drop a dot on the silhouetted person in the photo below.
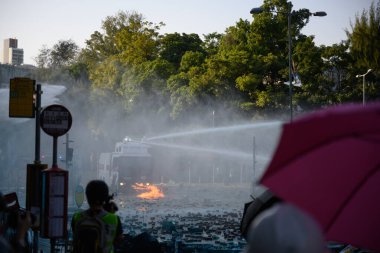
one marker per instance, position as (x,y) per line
(94,229)
(262,202)
(14,226)
(111,207)
(284,228)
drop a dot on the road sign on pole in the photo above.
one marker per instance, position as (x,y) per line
(54,203)
(55,120)
(21,98)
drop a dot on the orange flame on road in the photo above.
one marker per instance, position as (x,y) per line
(150,191)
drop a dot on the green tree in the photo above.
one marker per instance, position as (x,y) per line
(315,89)
(78,71)
(268,44)
(138,40)
(211,43)
(43,62)
(43,59)
(338,67)
(107,74)
(121,35)
(63,53)
(191,59)
(144,85)
(364,39)
(54,64)
(118,56)
(181,98)
(174,45)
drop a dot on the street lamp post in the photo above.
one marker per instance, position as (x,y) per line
(258,10)
(363,75)
(290,63)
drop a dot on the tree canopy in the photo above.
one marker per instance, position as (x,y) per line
(243,70)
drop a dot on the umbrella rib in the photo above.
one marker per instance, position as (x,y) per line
(352,193)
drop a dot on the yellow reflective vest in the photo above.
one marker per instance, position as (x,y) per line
(110,224)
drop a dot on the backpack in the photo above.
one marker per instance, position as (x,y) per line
(90,234)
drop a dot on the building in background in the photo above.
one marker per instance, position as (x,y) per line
(11,53)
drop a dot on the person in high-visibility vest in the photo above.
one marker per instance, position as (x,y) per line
(94,229)
(111,207)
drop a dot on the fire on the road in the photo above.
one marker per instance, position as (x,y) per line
(148,191)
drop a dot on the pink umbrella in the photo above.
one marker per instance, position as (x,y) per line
(328,164)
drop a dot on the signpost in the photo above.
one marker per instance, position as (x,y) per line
(21,98)
(25,102)
(55,120)
(47,189)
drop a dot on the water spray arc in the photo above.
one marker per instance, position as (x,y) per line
(237,154)
(218,129)
(201,143)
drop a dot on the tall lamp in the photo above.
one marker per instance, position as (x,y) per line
(289,13)
(363,75)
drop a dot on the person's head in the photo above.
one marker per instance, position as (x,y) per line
(284,228)
(263,201)
(96,192)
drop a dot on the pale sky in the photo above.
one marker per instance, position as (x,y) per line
(44,22)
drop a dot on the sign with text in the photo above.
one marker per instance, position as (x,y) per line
(21,101)
(54,203)
(55,120)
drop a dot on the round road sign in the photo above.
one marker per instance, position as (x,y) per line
(55,120)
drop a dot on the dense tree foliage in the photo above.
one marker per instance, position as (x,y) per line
(364,48)
(54,64)
(63,53)
(173,46)
(364,39)
(243,70)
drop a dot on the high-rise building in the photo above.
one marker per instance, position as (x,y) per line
(16,56)
(12,54)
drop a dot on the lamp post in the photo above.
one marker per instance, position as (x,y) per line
(258,10)
(363,75)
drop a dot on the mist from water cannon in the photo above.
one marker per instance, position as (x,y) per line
(235,142)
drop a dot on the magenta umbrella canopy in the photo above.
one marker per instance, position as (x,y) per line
(328,164)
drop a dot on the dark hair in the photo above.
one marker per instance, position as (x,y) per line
(264,201)
(96,192)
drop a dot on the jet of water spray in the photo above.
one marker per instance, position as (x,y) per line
(237,154)
(218,129)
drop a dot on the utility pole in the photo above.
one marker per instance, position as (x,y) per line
(254,159)
(37,154)
(68,151)
(363,76)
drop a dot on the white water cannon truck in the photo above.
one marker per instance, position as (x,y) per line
(130,163)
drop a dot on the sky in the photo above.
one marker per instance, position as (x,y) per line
(36,23)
